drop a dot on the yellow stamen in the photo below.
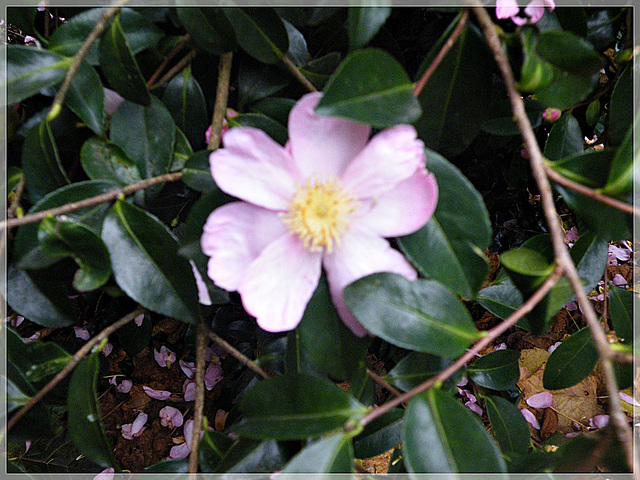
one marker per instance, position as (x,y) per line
(319,214)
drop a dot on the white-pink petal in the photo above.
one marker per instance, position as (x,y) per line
(138,320)
(474,407)
(540,400)
(81,333)
(506,8)
(189,368)
(625,397)
(212,375)
(106,474)
(179,451)
(170,417)
(254,168)
(107,349)
(598,421)
(619,281)
(279,283)
(531,418)
(203,291)
(156,394)
(135,429)
(189,391)
(323,146)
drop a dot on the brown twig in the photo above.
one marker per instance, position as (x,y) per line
(464,16)
(198,407)
(562,257)
(15,203)
(89,202)
(383,383)
(470,354)
(68,368)
(236,353)
(222,95)
(298,74)
(177,68)
(185,40)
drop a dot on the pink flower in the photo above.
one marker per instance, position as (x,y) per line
(156,394)
(170,417)
(164,357)
(203,292)
(106,474)
(533,11)
(326,199)
(540,400)
(81,333)
(135,429)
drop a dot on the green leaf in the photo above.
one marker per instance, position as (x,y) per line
(185,101)
(500,117)
(330,344)
(379,436)
(67,39)
(620,108)
(364,23)
(449,247)
(455,100)
(209,28)
(566,89)
(39,296)
(135,129)
(134,338)
(508,425)
(84,420)
(252,456)
(333,454)
(319,70)
(442,435)
(569,53)
(257,81)
(260,32)
(16,398)
(29,70)
(37,360)
(371,87)
(276,108)
(422,315)
(623,168)
(621,305)
(571,362)
(119,65)
(41,163)
(417,368)
(496,370)
(213,448)
(565,138)
(61,238)
(103,160)
(501,300)
(146,264)
(86,98)
(295,407)
(169,466)
(589,168)
(182,151)
(272,128)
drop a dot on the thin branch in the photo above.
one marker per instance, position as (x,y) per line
(222,95)
(612,202)
(185,40)
(15,203)
(89,202)
(383,383)
(562,257)
(236,353)
(68,368)
(177,68)
(56,105)
(442,53)
(198,408)
(470,354)
(298,74)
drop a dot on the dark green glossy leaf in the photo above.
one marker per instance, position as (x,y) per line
(565,138)
(169,466)
(422,315)
(332,454)
(455,100)
(37,360)
(621,305)
(330,344)
(146,264)
(500,117)
(257,81)
(119,65)
(67,39)
(213,448)
(623,168)
(16,398)
(103,160)
(86,98)
(252,456)
(298,52)
(621,108)
(364,23)
(589,168)
(295,407)
(509,427)
(501,300)
(449,247)
(84,420)
(29,70)
(573,20)
(134,338)
(379,436)
(571,362)
(37,422)
(275,108)
(62,238)
(535,73)
(182,151)
(580,455)
(624,375)
(569,52)
(260,32)
(135,128)
(442,435)
(371,87)
(319,70)
(592,115)
(275,130)
(497,370)
(417,368)
(185,101)
(39,296)
(41,162)
(209,28)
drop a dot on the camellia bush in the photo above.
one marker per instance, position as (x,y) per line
(319,240)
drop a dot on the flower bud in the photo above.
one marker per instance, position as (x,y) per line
(551,114)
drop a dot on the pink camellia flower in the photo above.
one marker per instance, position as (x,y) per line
(326,199)
(170,417)
(135,429)
(533,11)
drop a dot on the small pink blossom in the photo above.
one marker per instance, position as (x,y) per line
(189,368)
(598,422)
(625,397)
(540,400)
(225,125)
(619,281)
(135,429)
(179,451)
(531,418)
(551,114)
(189,391)
(326,200)
(203,292)
(572,234)
(124,387)
(164,357)
(156,394)
(81,333)
(170,417)
(106,474)
(212,375)
(138,320)
(533,11)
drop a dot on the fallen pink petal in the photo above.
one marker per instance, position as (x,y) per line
(189,391)
(156,394)
(164,357)
(553,347)
(212,375)
(540,400)
(123,387)
(619,281)
(599,421)
(107,349)
(106,474)
(135,429)
(179,451)
(139,319)
(81,333)
(474,407)
(530,417)
(188,368)
(625,397)
(170,417)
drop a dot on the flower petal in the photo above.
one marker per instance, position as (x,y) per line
(279,284)
(321,145)
(535,10)
(362,253)
(156,394)
(531,418)
(170,417)
(189,390)
(203,292)
(506,8)
(404,209)
(253,167)
(107,473)
(179,451)
(234,236)
(391,156)
(540,400)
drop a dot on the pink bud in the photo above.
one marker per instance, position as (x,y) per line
(551,114)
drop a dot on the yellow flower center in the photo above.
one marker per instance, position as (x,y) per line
(319,214)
